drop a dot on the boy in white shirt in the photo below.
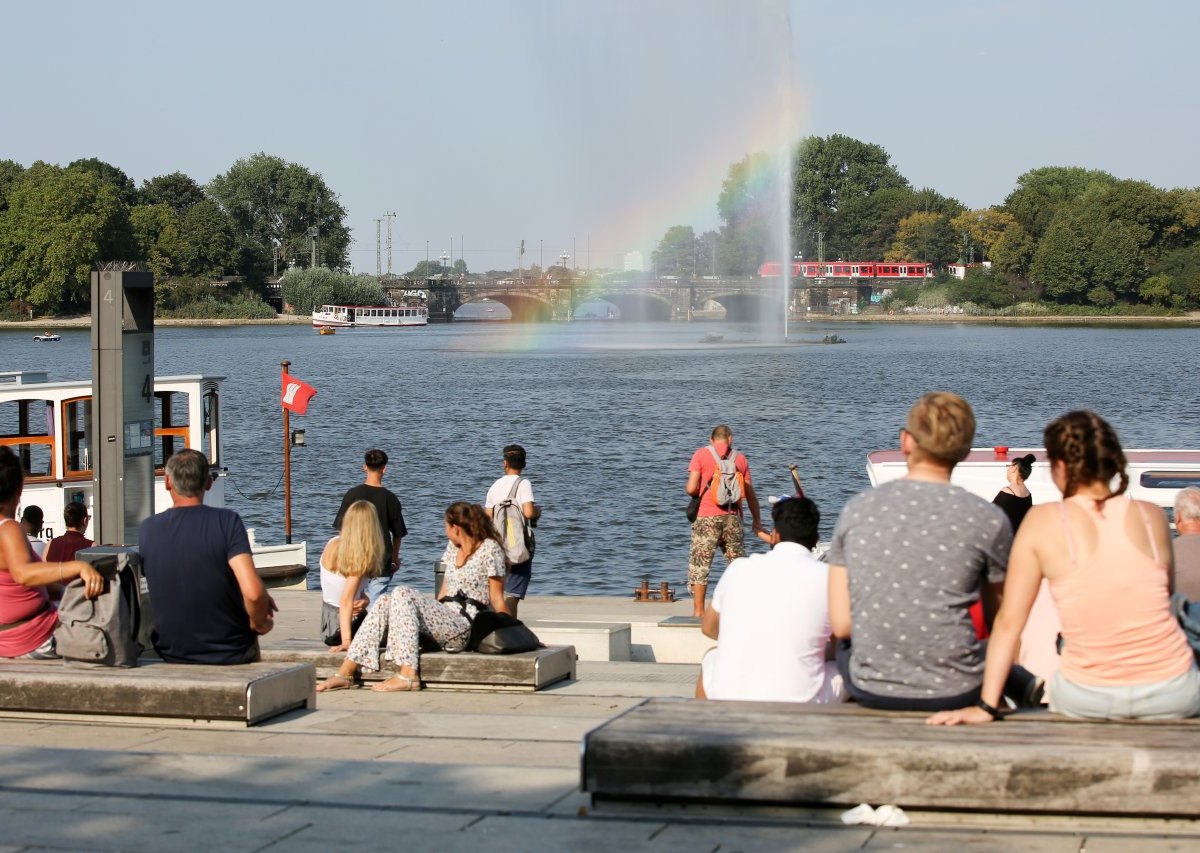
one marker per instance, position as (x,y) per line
(516,585)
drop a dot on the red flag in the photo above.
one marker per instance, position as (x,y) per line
(296,394)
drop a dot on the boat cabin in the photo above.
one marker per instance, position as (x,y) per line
(49,426)
(1155,476)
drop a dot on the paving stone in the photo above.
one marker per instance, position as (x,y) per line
(1143,844)
(952,841)
(729,838)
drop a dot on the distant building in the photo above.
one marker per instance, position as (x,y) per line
(960,270)
(634,263)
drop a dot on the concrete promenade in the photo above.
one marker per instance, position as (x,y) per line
(436,771)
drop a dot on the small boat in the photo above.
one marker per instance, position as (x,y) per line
(326,330)
(832,339)
(54,437)
(712,339)
(370,316)
(1154,475)
(47,337)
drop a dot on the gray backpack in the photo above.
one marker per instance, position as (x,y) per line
(727,484)
(110,630)
(510,522)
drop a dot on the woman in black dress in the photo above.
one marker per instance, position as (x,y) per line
(1014,498)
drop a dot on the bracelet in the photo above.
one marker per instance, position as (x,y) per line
(991,709)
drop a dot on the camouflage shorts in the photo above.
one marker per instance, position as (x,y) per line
(708,534)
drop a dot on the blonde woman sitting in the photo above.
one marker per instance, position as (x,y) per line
(347,563)
(475,567)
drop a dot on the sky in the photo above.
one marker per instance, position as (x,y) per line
(588,127)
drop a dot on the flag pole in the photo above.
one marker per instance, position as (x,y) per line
(287,468)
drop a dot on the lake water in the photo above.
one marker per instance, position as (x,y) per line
(610,414)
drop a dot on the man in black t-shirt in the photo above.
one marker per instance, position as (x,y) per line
(209,603)
(391,517)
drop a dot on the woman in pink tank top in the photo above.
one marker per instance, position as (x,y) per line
(27,585)
(1108,561)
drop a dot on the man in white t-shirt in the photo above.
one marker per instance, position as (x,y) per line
(516,585)
(770,618)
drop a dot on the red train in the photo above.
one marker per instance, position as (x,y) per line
(905,270)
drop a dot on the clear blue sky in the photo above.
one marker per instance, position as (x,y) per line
(601,121)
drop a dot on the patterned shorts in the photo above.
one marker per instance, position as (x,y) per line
(709,533)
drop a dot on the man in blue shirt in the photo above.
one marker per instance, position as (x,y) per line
(209,603)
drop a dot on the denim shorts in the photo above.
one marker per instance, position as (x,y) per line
(1172,699)
(516,584)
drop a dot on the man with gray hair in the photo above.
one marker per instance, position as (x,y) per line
(1187,546)
(209,603)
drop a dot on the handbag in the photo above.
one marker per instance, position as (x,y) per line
(693,507)
(495,633)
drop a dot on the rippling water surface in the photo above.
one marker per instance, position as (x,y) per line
(610,414)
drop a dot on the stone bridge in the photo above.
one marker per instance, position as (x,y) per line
(646,299)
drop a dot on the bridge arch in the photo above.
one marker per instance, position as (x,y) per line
(637,305)
(525,307)
(749,306)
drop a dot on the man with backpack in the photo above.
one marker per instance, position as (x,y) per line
(509,504)
(720,477)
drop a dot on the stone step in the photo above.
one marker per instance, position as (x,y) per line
(246,694)
(746,753)
(523,672)
(593,641)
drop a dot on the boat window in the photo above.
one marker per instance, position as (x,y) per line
(170,424)
(210,442)
(27,426)
(77,437)
(1169,479)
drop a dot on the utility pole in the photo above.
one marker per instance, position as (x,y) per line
(390,216)
(378,257)
(314,237)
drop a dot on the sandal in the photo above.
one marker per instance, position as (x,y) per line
(392,685)
(337,681)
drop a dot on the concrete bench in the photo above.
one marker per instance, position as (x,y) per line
(524,672)
(245,694)
(593,641)
(782,754)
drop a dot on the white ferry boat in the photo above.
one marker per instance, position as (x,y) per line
(1154,475)
(49,426)
(370,316)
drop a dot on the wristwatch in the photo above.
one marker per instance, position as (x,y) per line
(991,709)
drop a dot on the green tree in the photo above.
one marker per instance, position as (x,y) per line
(1041,193)
(59,225)
(275,203)
(427,269)
(111,175)
(677,252)
(983,228)
(751,209)
(984,287)
(1085,256)
(156,232)
(176,190)
(210,248)
(306,289)
(1012,252)
(1156,289)
(10,173)
(923,236)
(1182,268)
(1147,211)
(828,173)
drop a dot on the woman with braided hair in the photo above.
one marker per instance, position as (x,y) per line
(1110,569)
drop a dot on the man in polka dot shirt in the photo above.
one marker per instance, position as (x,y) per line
(908,560)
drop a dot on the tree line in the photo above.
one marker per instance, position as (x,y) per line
(1065,235)
(58,223)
